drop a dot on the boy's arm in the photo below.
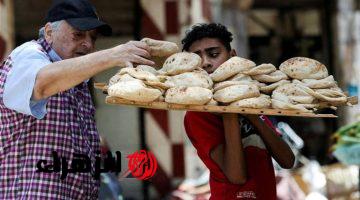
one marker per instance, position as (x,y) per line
(230,155)
(279,150)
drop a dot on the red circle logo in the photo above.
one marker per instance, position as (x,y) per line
(142,164)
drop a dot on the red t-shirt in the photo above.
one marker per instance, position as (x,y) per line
(206,131)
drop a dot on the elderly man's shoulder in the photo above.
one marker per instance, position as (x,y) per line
(28,49)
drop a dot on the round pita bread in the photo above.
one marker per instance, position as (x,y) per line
(224,84)
(337,99)
(327,82)
(121,78)
(157,84)
(114,79)
(287,106)
(330,92)
(304,68)
(159,48)
(139,74)
(188,95)
(240,77)
(180,63)
(236,92)
(273,77)
(147,68)
(261,69)
(295,94)
(269,88)
(134,90)
(191,79)
(231,67)
(263,101)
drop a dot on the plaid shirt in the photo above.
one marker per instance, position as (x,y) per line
(68,128)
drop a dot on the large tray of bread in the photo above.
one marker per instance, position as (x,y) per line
(300,86)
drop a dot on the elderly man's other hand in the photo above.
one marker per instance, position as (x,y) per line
(125,55)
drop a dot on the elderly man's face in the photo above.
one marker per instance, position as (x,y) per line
(69,42)
(212,52)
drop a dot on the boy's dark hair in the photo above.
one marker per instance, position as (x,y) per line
(212,30)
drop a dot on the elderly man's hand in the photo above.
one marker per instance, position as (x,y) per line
(63,75)
(132,52)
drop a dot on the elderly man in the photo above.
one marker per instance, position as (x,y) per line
(45,105)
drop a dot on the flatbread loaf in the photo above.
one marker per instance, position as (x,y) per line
(269,88)
(240,77)
(188,95)
(118,78)
(327,82)
(231,67)
(139,74)
(236,92)
(277,104)
(335,99)
(224,84)
(261,69)
(295,94)
(331,92)
(304,68)
(148,69)
(134,90)
(159,48)
(191,79)
(263,101)
(180,63)
(273,77)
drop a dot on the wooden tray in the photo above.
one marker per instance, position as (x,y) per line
(217,109)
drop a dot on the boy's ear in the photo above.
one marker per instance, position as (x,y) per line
(233,53)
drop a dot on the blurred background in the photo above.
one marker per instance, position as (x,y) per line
(264,31)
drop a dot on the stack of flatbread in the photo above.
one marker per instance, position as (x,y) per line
(311,85)
(235,87)
(188,83)
(299,84)
(143,83)
(270,77)
(179,81)
(138,84)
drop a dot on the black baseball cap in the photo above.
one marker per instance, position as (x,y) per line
(80,14)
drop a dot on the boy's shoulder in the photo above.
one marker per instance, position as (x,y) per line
(202,118)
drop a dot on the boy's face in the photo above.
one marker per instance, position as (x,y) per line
(212,52)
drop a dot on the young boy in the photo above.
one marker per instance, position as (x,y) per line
(237,149)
